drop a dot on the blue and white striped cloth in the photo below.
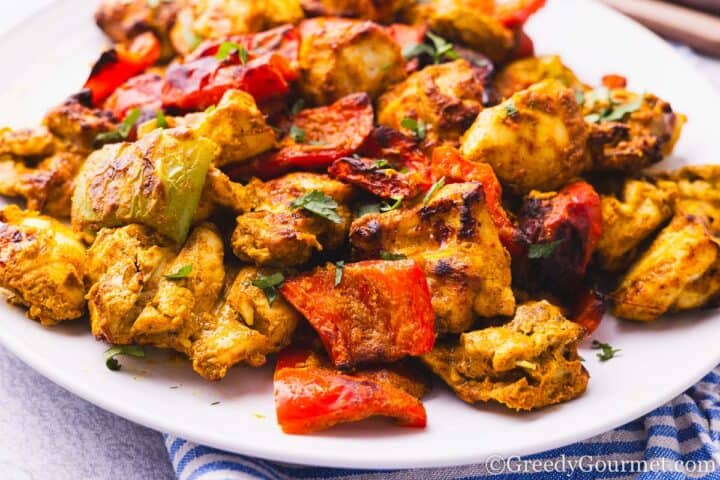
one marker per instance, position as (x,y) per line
(677,441)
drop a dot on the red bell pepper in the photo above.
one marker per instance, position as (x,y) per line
(447,162)
(141,91)
(310,396)
(588,310)
(406,171)
(321,136)
(613,81)
(524,46)
(120,63)
(514,13)
(379,311)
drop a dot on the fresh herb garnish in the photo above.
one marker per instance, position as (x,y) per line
(367,209)
(418,127)
(433,190)
(130,350)
(614,111)
(297,134)
(339,269)
(297,106)
(510,108)
(123,130)
(543,250)
(210,109)
(606,350)
(579,97)
(160,119)
(269,285)
(439,50)
(181,272)
(391,256)
(320,204)
(381,164)
(226,48)
(386,207)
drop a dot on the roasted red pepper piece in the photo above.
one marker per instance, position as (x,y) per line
(447,162)
(322,135)
(202,79)
(589,308)
(524,46)
(514,13)
(569,226)
(613,81)
(119,64)
(406,170)
(379,312)
(141,91)
(310,396)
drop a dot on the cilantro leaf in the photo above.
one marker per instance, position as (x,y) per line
(510,109)
(433,190)
(367,208)
(123,130)
(297,106)
(227,48)
(160,119)
(418,127)
(269,285)
(543,250)
(182,272)
(339,269)
(131,350)
(413,50)
(606,350)
(320,204)
(443,48)
(580,97)
(297,133)
(386,207)
(392,256)
(619,111)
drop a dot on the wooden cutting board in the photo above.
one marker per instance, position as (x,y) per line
(696,29)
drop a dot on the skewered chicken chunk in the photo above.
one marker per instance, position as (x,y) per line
(456,244)
(378,11)
(339,57)
(446,98)
(696,191)
(76,123)
(526,72)
(527,364)
(637,212)
(42,264)
(275,233)
(535,140)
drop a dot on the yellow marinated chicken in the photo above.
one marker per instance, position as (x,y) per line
(275,233)
(629,131)
(122,20)
(208,19)
(27,142)
(679,271)
(446,98)
(529,363)
(340,56)
(467,22)
(630,218)
(696,191)
(456,244)
(42,265)
(535,140)
(523,73)
(76,124)
(145,293)
(383,11)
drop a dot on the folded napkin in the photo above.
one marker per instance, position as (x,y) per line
(678,440)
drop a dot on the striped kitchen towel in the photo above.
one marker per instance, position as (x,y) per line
(676,441)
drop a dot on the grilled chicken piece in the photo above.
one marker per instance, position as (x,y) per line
(630,218)
(535,140)
(27,142)
(629,131)
(275,233)
(76,123)
(467,22)
(42,264)
(680,271)
(383,11)
(446,98)
(339,57)
(456,244)
(123,20)
(522,74)
(696,191)
(211,19)
(527,364)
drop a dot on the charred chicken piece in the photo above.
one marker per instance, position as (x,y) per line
(339,57)
(455,242)
(522,74)
(680,271)
(42,265)
(530,363)
(536,139)
(76,123)
(696,191)
(277,233)
(446,98)
(383,11)
(629,131)
(629,219)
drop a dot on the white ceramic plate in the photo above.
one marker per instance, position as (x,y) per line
(48,58)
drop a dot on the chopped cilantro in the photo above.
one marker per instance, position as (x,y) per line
(227,48)
(606,350)
(160,119)
(433,190)
(320,204)
(129,350)
(339,269)
(391,256)
(297,106)
(543,250)
(123,130)
(418,127)
(182,272)
(297,134)
(269,285)
(386,207)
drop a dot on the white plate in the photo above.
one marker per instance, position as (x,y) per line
(48,57)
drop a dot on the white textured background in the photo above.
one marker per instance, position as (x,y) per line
(48,433)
